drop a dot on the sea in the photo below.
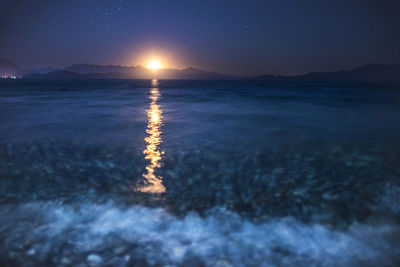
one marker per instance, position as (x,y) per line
(199,173)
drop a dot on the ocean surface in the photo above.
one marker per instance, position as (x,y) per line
(199,173)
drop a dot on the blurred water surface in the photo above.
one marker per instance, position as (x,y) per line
(215,173)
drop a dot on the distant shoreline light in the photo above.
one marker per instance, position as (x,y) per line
(9,77)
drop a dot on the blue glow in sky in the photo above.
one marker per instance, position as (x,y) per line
(231,36)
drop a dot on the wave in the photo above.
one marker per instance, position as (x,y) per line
(47,233)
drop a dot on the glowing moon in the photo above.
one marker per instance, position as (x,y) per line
(154,65)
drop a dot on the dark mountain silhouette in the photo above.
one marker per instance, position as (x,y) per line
(9,68)
(368,73)
(89,71)
(39,70)
(59,75)
(91,68)
(192,73)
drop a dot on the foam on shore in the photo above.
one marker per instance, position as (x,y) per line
(46,232)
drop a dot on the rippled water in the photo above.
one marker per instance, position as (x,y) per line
(227,173)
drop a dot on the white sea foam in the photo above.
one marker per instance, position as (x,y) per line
(220,238)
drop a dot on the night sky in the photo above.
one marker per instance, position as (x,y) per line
(231,36)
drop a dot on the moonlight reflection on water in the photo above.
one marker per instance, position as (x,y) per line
(153,140)
(253,173)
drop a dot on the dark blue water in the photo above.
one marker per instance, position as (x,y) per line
(209,173)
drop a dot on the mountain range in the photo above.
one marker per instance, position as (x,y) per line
(367,73)
(90,71)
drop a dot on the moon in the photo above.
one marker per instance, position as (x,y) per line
(154,65)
